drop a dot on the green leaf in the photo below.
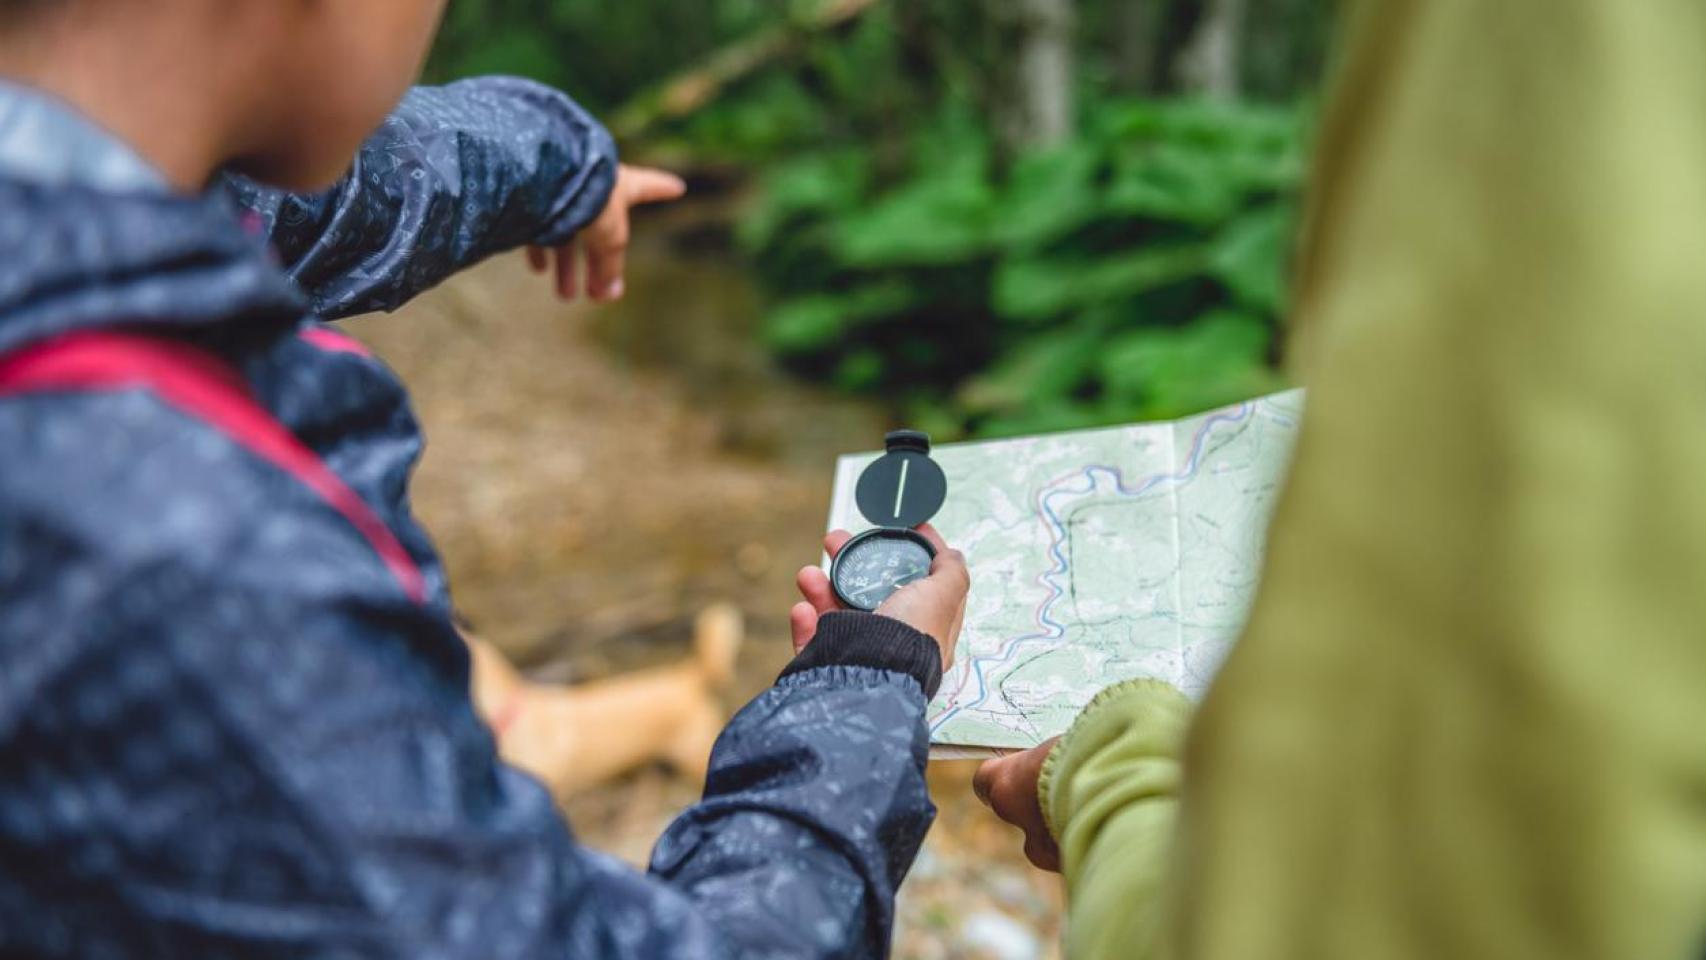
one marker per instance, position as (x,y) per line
(1046,418)
(943,218)
(815,323)
(1198,162)
(927,412)
(859,370)
(1252,256)
(926,226)
(1221,125)
(1169,182)
(1049,369)
(513,50)
(824,183)
(1170,372)
(1030,289)
(1050,195)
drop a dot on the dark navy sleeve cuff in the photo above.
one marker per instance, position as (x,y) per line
(847,639)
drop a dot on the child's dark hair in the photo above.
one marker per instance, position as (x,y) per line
(20,14)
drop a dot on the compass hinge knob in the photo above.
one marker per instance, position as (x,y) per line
(912,440)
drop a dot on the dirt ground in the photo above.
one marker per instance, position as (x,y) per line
(595,477)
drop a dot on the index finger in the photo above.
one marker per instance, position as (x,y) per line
(983,782)
(654,186)
(951,562)
(835,540)
(931,534)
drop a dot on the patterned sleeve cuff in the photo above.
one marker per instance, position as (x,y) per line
(870,640)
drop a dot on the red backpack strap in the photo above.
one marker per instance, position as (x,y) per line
(202,385)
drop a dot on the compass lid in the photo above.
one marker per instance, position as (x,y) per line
(904,487)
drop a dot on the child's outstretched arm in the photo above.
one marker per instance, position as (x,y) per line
(457,173)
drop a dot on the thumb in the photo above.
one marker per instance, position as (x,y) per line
(802,623)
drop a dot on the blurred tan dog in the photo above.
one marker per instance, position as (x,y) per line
(574,737)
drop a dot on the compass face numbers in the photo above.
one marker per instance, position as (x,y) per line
(873,565)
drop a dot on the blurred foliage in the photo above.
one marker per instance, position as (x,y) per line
(601,51)
(1134,272)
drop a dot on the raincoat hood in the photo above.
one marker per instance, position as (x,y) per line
(91,237)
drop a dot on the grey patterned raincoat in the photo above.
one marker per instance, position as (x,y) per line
(234,713)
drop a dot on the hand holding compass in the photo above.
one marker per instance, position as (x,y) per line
(901,568)
(902,490)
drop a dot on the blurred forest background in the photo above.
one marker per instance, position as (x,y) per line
(991,216)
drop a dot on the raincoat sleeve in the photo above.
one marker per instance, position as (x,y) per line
(1465,717)
(456,174)
(233,756)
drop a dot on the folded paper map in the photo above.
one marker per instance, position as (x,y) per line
(1098,556)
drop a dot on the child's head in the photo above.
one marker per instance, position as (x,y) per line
(284,90)
(341,69)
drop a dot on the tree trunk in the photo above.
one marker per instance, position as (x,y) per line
(1137,26)
(1035,73)
(1212,66)
(1285,47)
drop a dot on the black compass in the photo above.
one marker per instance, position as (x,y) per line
(901,490)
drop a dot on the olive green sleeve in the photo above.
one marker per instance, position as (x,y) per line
(1466,717)
(1109,790)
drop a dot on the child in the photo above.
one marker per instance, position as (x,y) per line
(234,711)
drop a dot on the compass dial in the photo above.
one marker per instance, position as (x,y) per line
(875,564)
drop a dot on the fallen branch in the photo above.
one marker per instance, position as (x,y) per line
(691,90)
